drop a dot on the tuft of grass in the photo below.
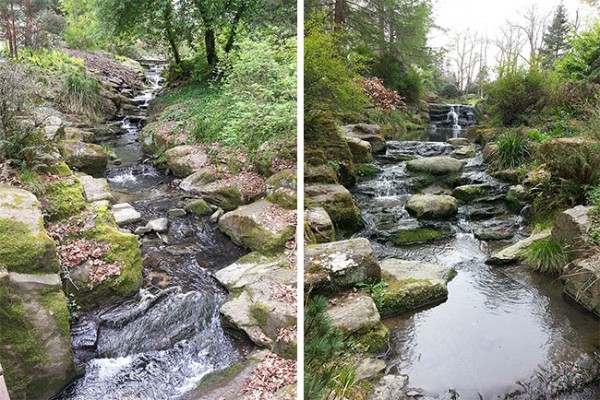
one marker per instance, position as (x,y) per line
(513,150)
(80,94)
(547,256)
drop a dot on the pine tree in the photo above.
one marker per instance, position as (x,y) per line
(555,39)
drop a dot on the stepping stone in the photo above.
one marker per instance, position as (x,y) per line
(160,225)
(124,214)
(95,189)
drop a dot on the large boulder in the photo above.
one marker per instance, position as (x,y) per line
(435,165)
(35,347)
(329,267)
(63,198)
(357,317)
(89,158)
(360,149)
(232,192)
(282,188)
(77,134)
(582,282)
(429,206)
(516,252)
(119,276)
(412,284)
(571,228)
(185,160)
(370,133)
(198,179)
(264,304)
(320,174)
(338,203)
(24,244)
(319,224)
(261,226)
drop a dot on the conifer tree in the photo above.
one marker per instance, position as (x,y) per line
(555,39)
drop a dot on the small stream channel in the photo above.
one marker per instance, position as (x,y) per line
(502,329)
(159,344)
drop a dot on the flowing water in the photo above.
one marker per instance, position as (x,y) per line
(504,331)
(159,344)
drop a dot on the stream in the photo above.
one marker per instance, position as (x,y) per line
(161,343)
(504,332)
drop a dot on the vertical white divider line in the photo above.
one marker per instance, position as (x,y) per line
(300,203)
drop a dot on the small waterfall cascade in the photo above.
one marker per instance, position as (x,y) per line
(453,116)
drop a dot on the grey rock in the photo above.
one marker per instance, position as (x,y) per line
(428,206)
(354,313)
(514,252)
(320,224)
(214,218)
(124,214)
(95,189)
(176,213)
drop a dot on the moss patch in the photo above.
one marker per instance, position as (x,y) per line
(367,170)
(375,339)
(22,251)
(56,304)
(419,235)
(406,295)
(63,199)
(215,377)
(198,207)
(21,351)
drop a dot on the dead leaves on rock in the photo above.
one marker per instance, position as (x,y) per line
(272,374)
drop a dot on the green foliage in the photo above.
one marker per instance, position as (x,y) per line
(80,94)
(50,60)
(323,345)
(377,291)
(513,97)
(574,169)
(82,30)
(582,60)
(256,101)
(513,149)
(329,74)
(592,195)
(547,256)
(555,39)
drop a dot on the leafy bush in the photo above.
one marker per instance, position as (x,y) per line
(387,100)
(329,85)
(80,94)
(593,195)
(581,61)
(514,96)
(256,100)
(411,86)
(513,149)
(450,91)
(547,256)
(51,60)
(574,168)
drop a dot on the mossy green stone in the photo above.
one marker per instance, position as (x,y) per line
(21,351)
(468,193)
(367,170)
(56,304)
(63,199)
(418,235)
(23,251)
(198,207)
(375,339)
(60,169)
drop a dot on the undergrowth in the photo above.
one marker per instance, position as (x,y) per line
(513,149)
(547,256)
(80,94)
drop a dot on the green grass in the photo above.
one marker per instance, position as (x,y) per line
(547,256)
(80,94)
(513,150)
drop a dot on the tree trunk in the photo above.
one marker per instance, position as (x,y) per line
(28,24)
(338,15)
(6,20)
(211,47)
(234,25)
(170,35)
(14,30)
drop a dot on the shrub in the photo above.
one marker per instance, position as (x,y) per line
(513,149)
(547,256)
(593,195)
(580,62)
(51,60)
(514,96)
(574,168)
(450,91)
(80,94)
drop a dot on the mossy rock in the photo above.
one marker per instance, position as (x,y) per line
(512,176)
(431,206)
(35,349)
(24,244)
(282,189)
(60,169)
(338,203)
(468,193)
(418,235)
(86,157)
(375,340)
(226,196)
(198,207)
(63,199)
(124,250)
(320,174)
(483,135)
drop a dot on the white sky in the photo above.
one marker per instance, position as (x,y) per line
(488,16)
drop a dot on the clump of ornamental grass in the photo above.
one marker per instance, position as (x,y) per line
(547,256)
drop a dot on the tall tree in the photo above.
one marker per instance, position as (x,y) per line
(554,42)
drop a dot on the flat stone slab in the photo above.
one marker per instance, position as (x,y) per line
(95,189)
(320,224)
(337,265)
(438,165)
(417,270)
(160,225)
(582,282)
(431,206)
(514,253)
(124,214)
(354,313)
(368,368)
(390,387)
(35,282)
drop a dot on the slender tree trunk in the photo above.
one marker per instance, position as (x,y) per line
(170,35)
(14,30)
(8,30)
(211,47)
(28,24)
(234,25)
(338,15)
